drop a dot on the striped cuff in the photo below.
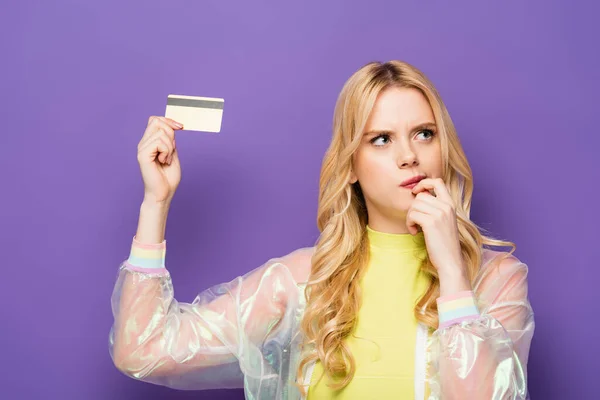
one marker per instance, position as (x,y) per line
(147,257)
(457,307)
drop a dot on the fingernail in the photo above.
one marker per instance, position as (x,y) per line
(177,124)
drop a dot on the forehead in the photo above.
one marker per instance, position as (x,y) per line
(397,106)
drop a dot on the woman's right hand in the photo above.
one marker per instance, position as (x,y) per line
(158,159)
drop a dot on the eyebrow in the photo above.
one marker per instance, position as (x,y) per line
(416,128)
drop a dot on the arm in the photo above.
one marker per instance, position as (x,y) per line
(481,347)
(200,345)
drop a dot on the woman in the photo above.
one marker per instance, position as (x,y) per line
(399,298)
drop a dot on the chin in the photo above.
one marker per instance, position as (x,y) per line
(402,209)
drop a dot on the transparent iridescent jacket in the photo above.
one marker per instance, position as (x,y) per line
(245,333)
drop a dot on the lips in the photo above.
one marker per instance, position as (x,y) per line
(414,180)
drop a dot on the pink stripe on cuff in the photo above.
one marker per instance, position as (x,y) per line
(457,320)
(160,245)
(454,296)
(157,271)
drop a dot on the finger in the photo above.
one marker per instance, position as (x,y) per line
(414,220)
(162,147)
(160,124)
(167,132)
(438,186)
(154,124)
(174,152)
(171,156)
(422,189)
(158,148)
(160,129)
(174,156)
(424,185)
(426,197)
(171,122)
(169,136)
(425,207)
(169,144)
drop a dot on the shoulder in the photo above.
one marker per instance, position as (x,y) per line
(499,273)
(500,262)
(298,262)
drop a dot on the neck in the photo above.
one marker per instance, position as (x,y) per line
(386,226)
(395,241)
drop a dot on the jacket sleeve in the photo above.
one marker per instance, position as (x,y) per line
(207,344)
(481,347)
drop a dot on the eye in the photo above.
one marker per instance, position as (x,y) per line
(430,132)
(383,135)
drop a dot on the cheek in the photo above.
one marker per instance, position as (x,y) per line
(375,180)
(367,166)
(432,162)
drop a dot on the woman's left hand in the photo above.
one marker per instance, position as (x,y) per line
(436,215)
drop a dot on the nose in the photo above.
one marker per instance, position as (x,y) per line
(407,158)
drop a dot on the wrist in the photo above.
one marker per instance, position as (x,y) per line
(453,282)
(455,276)
(152,222)
(157,205)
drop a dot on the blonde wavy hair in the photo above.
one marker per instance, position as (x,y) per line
(342,251)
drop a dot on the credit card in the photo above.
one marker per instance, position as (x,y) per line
(202,114)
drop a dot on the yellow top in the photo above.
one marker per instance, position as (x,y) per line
(391,287)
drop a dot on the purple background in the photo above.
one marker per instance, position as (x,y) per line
(80,79)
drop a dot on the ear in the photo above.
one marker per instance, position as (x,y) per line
(353,177)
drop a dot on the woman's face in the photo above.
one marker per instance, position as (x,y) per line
(400,141)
